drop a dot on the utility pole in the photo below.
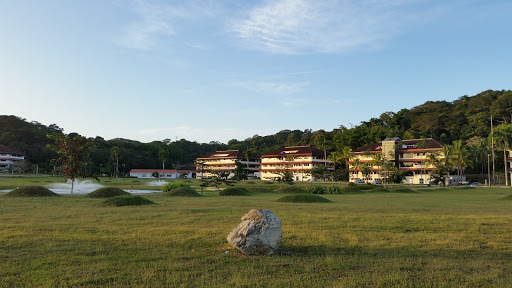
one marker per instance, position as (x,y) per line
(492,147)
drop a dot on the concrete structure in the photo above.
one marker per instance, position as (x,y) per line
(225,161)
(9,157)
(409,156)
(167,173)
(300,160)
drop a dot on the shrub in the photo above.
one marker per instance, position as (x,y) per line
(127,200)
(304,198)
(234,191)
(291,189)
(334,190)
(403,190)
(107,192)
(173,185)
(183,192)
(316,189)
(509,197)
(380,189)
(351,184)
(32,191)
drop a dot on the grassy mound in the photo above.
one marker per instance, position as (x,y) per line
(380,189)
(234,191)
(509,197)
(31,191)
(303,198)
(366,187)
(107,192)
(259,190)
(183,192)
(403,190)
(127,200)
(350,189)
(291,189)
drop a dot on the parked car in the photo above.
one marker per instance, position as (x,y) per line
(359,181)
(475,184)
(376,181)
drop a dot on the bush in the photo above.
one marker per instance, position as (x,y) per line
(334,190)
(234,191)
(351,184)
(32,191)
(403,190)
(107,192)
(316,189)
(304,198)
(509,197)
(183,192)
(350,189)
(173,185)
(127,200)
(291,189)
(259,190)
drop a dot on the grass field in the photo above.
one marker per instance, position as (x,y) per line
(433,238)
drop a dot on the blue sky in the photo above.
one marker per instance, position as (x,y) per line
(221,70)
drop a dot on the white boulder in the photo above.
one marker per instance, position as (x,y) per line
(259,233)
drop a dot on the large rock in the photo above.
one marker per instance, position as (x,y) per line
(259,233)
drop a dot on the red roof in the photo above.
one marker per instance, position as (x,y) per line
(7,150)
(295,151)
(230,154)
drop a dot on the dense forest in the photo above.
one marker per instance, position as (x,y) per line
(467,118)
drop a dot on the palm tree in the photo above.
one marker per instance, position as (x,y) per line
(448,159)
(163,153)
(115,152)
(347,155)
(377,161)
(503,140)
(336,157)
(459,157)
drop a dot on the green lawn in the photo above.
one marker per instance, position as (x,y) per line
(434,238)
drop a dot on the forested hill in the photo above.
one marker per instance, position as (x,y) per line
(464,118)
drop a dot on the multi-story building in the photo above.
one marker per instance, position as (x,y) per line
(8,157)
(225,161)
(410,156)
(300,160)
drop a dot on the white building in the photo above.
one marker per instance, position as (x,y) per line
(225,161)
(8,157)
(299,160)
(167,173)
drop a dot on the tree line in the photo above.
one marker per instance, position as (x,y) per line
(467,119)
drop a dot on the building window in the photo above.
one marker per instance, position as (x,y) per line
(421,181)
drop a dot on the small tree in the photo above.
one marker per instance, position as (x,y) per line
(218,178)
(155,174)
(72,154)
(241,173)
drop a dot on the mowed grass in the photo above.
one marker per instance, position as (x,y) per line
(433,238)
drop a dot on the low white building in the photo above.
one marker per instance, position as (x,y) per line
(164,174)
(9,157)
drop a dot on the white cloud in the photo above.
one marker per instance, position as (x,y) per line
(160,19)
(331,26)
